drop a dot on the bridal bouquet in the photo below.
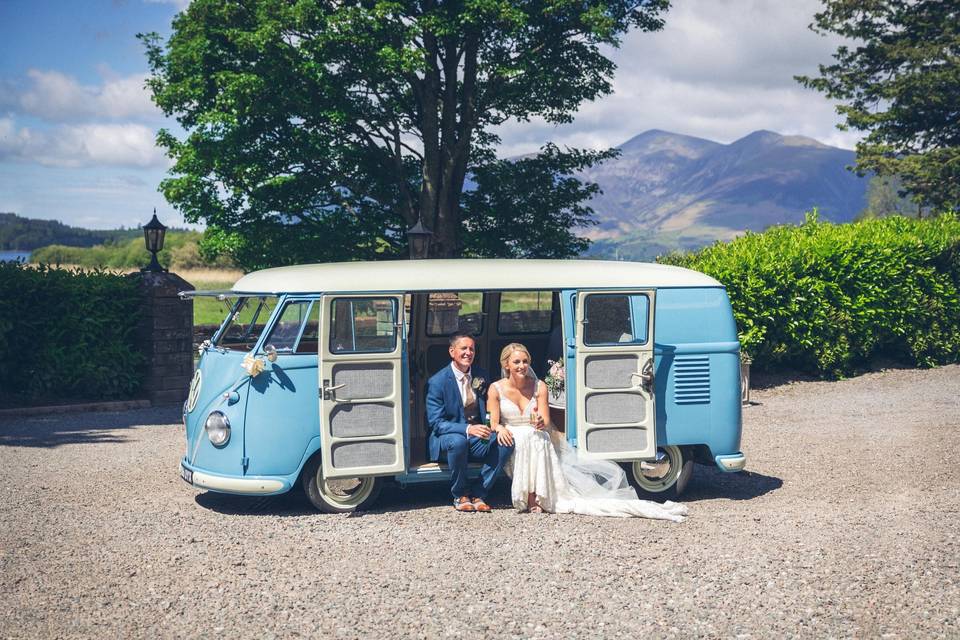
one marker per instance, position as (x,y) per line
(556,378)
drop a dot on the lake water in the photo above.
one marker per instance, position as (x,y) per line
(13,255)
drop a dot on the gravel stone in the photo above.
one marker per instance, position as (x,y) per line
(845,524)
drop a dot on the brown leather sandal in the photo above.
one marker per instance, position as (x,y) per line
(481,506)
(463,504)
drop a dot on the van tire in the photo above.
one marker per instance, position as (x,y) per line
(353,494)
(672,483)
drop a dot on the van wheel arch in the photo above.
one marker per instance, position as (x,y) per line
(341,495)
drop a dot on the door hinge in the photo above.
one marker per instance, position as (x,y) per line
(246,463)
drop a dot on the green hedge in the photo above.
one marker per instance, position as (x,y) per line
(827,299)
(180,251)
(67,335)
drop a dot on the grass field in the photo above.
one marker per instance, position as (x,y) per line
(210,310)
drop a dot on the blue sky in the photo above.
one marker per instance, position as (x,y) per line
(77,126)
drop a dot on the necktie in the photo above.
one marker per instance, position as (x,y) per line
(468,395)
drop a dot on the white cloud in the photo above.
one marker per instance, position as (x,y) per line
(720,69)
(179,4)
(57,97)
(84,145)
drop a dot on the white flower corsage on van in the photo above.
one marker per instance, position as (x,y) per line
(253,366)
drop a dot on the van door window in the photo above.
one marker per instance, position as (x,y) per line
(363,325)
(615,319)
(449,312)
(285,335)
(525,312)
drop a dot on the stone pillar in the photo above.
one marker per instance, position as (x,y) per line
(166,337)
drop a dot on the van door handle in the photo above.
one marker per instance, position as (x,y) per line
(646,376)
(328,391)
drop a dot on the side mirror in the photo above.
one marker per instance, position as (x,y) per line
(271,352)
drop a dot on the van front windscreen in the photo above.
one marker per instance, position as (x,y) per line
(245,322)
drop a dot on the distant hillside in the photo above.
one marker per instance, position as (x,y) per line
(26,234)
(669,191)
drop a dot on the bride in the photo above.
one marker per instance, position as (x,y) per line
(548,474)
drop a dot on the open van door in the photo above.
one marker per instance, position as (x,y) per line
(361,385)
(616,416)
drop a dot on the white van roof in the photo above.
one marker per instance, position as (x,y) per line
(467,274)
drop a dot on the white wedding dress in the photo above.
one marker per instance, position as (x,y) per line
(543,463)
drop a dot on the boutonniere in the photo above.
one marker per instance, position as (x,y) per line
(477,383)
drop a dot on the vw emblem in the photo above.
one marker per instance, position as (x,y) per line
(194,392)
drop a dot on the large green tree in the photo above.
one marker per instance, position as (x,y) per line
(354,119)
(898,80)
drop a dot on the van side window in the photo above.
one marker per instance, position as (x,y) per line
(449,312)
(285,334)
(615,319)
(525,312)
(363,325)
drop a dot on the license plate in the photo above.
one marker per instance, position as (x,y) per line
(186,474)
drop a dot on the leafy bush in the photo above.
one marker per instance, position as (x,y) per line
(828,298)
(67,334)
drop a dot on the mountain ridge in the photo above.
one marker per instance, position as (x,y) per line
(689,191)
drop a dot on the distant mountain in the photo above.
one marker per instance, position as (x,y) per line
(669,191)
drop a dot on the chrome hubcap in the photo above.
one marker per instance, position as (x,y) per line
(344,492)
(661,473)
(657,468)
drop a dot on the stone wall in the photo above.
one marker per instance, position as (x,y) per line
(166,336)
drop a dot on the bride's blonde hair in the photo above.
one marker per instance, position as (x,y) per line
(508,351)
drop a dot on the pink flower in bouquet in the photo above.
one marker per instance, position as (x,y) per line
(556,377)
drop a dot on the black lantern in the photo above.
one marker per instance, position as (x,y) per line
(418,239)
(153,233)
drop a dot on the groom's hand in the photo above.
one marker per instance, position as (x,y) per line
(478,431)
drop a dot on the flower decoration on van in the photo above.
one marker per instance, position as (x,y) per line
(556,379)
(253,366)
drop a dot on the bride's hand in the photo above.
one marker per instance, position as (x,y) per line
(504,436)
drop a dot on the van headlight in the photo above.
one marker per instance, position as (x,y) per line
(218,428)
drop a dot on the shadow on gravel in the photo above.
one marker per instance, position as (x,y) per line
(81,428)
(710,483)
(392,499)
(707,484)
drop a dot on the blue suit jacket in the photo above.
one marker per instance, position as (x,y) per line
(445,406)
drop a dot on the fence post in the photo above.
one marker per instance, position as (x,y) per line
(165,336)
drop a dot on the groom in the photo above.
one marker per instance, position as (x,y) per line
(456,406)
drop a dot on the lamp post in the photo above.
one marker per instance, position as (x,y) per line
(418,240)
(153,233)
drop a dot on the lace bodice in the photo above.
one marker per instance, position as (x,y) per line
(510,413)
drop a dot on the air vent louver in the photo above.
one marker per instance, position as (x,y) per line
(691,380)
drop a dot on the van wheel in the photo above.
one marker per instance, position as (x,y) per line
(339,495)
(665,477)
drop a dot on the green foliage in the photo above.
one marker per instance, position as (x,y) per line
(828,298)
(884,199)
(67,334)
(528,208)
(354,120)
(897,76)
(181,250)
(17,232)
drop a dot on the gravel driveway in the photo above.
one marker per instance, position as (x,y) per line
(845,524)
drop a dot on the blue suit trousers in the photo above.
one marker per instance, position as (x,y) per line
(461,449)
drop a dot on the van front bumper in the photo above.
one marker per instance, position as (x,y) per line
(731,462)
(255,486)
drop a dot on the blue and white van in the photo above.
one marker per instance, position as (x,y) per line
(318,375)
